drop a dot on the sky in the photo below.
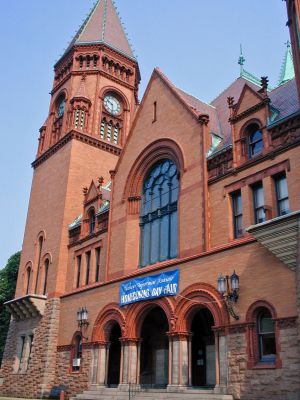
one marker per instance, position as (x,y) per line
(194,42)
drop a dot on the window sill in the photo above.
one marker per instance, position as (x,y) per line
(264,366)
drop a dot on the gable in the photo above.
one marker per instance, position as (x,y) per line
(92,192)
(248,99)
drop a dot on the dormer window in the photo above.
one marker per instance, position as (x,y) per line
(92,221)
(255,140)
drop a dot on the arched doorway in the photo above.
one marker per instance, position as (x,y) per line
(154,362)
(203,371)
(114,357)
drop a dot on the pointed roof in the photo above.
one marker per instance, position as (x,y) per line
(103,25)
(287,70)
(245,74)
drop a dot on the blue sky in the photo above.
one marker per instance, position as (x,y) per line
(194,42)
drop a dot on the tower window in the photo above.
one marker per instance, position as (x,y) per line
(282,196)
(102,129)
(80,62)
(108,133)
(82,119)
(95,61)
(116,133)
(258,203)
(61,108)
(237,214)
(158,220)
(28,276)
(88,61)
(79,118)
(46,276)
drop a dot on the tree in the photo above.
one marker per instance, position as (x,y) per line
(8,281)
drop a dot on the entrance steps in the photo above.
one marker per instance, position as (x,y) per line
(105,393)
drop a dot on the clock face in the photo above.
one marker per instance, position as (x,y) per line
(112,105)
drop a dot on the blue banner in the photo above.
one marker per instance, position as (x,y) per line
(149,287)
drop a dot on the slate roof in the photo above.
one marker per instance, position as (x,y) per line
(103,25)
(285,99)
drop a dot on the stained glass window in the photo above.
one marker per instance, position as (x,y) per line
(158,219)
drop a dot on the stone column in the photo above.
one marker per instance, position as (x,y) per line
(102,364)
(130,364)
(221,362)
(179,361)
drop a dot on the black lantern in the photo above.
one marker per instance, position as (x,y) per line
(228,287)
(82,319)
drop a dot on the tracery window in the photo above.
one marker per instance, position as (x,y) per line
(158,218)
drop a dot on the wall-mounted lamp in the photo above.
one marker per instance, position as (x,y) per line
(229,289)
(82,319)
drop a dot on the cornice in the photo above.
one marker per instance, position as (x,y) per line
(92,141)
(249,111)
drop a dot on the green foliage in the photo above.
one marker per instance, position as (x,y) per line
(8,281)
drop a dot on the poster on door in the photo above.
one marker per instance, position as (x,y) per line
(149,287)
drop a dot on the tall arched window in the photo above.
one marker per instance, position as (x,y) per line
(41,239)
(266,336)
(77,353)
(46,266)
(92,220)
(61,107)
(28,276)
(255,140)
(158,219)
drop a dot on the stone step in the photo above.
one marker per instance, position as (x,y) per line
(104,393)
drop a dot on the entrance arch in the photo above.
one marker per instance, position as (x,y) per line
(154,353)
(114,356)
(203,356)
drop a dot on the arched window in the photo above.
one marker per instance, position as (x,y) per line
(61,107)
(266,336)
(77,353)
(92,220)
(41,239)
(28,276)
(158,219)
(255,140)
(46,266)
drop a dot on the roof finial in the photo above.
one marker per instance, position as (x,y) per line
(241,60)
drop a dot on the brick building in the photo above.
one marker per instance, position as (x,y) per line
(160,249)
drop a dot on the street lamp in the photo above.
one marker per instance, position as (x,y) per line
(82,319)
(228,286)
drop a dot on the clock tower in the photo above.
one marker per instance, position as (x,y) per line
(93,101)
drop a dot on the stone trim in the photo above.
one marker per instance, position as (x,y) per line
(90,140)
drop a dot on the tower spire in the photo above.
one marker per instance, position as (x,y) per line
(103,25)
(241,60)
(287,71)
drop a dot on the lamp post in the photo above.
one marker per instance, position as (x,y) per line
(82,319)
(228,286)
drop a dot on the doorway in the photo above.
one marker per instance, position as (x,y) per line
(203,350)
(114,357)
(154,362)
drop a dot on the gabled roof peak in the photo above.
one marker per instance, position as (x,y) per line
(287,71)
(103,26)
